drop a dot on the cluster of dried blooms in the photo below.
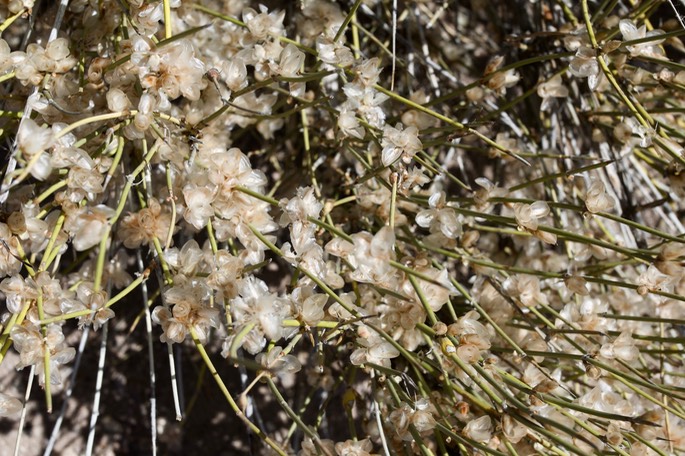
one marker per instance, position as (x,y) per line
(461,219)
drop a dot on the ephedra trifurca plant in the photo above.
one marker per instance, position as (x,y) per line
(343,227)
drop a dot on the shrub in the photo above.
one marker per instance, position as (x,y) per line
(368,227)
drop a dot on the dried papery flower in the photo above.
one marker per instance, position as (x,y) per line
(290,62)
(626,131)
(279,363)
(96,69)
(533,375)
(416,118)
(264,311)
(440,218)
(149,16)
(36,236)
(18,291)
(672,251)
(310,305)
(513,430)
(198,205)
(32,65)
(653,280)
(420,416)
(143,119)
(189,308)
(354,448)
(32,346)
(613,434)
(623,132)
(334,52)
(422,419)
(503,80)
(264,24)
(668,260)
(488,190)
(224,278)
(493,65)
(340,312)
(527,289)
(650,48)
(368,254)
(623,348)
(585,65)
(17,222)
(168,72)
(368,71)
(597,199)
(498,80)
(32,143)
(640,449)
(89,299)
(309,448)
(469,353)
(587,442)
(373,348)
(349,125)
(10,263)
(300,208)
(304,251)
(87,225)
(399,421)
(116,270)
(398,142)
(144,226)
(479,429)
(534,342)
(603,398)
(550,89)
(468,324)
(54,296)
(117,100)
(232,168)
(58,50)
(235,73)
(577,285)
(186,260)
(527,216)
(5,60)
(366,101)
(436,289)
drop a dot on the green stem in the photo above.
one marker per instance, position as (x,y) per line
(222,386)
